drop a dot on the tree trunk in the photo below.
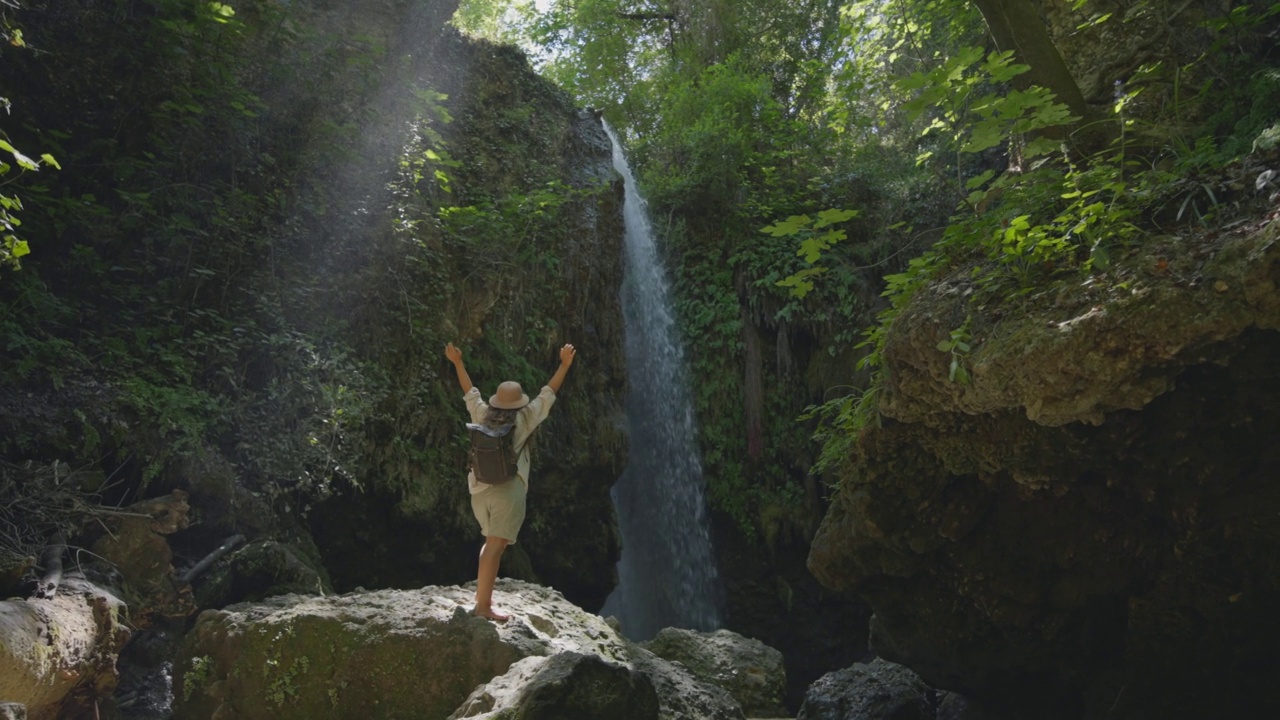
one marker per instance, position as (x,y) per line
(57,651)
(1016,25)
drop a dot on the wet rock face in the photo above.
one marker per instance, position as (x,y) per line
(1109,562)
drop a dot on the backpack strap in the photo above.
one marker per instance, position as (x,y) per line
(497,432)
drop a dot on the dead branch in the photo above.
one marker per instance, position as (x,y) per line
(51,561)
(208,561)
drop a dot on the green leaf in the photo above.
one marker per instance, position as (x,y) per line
(1041,146)
(221,11)
(979,180)
(790,226)
(944,346)
(800,283)
(831,217)
(48,160)
(25,162)
(22,160)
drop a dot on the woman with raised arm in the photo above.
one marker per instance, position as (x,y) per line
(500,508)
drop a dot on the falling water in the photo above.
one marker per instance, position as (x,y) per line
(667,575)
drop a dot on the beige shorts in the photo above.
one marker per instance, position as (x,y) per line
(500,509)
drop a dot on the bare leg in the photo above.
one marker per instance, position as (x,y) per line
(490,556)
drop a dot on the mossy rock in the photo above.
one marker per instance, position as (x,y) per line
(259,570)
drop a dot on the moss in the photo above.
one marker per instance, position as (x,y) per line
(42,655)
(196,677)
(282,688)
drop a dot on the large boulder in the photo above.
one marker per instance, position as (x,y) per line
(57,654)
(878,690)
(749,670)
(1088,527)
(681,695)
(420,653)
(566,685)
(1084,353)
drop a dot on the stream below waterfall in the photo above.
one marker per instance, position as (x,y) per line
(666,575)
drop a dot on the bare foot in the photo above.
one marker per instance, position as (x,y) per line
(491,614)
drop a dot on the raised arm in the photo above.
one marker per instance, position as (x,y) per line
(566,359)
(455,357)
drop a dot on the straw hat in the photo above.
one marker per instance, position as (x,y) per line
(509,397)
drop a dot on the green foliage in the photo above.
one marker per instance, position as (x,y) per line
(741,116)
(501,21)
(972,123)
(197,676)
(958,345)
(812,244)
(12,247)
(1057,217)
(166,288)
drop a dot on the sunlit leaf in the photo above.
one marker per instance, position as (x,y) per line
(790,226)
(831,217)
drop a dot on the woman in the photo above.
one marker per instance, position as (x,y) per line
(500,508)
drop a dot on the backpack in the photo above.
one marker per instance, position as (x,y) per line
(493,453)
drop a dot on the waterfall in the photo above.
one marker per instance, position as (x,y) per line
(666,574)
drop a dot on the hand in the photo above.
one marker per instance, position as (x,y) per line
(453,353)
(566,355)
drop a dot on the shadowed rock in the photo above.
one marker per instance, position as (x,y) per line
(1086,529)
(567,685)
(878,690)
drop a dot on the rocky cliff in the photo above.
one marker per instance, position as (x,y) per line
(1087,528)
(243,278)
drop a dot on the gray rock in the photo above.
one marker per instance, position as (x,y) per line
(749,670)
(13,711)
(681,695)
(879,690)
(567,685)
(420,653)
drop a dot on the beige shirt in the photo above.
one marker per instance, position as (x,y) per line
(527,418)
